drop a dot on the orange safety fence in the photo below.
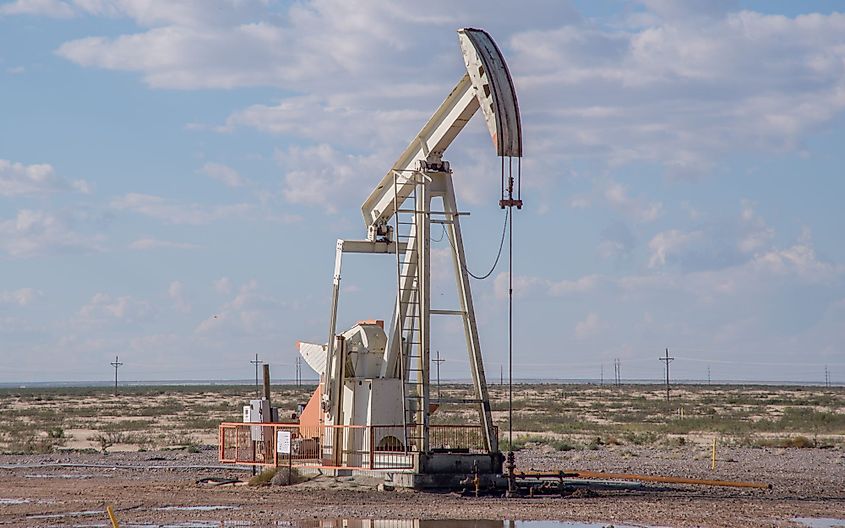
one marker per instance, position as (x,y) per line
(340,446)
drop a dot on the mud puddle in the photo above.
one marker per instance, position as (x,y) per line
(820,522)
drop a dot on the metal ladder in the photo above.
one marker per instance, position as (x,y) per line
(408,306)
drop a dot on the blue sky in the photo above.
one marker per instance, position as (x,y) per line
(173,176)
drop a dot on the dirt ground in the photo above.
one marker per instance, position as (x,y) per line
(154,488)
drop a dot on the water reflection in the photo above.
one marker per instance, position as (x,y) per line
(820,522)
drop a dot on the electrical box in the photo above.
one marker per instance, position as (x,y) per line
(259,412)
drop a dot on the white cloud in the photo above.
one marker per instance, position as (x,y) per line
(764,273)
(715,243)
(33,233)
(617,241)
(678,86)
(223,285)
(321,175)
(755,234)
(580,202)
(166,12)
(681,91)
(589,327)
(21,296)
(176,292)
(252,43)
(617,196)
(677,91)
(50,8)
(528,286)
(346,119)
(178,213)
(150,243)
(103,308)
(17,179)
(223,174)
(249,312)
(800,260)
(667,243)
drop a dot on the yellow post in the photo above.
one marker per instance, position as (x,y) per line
(112,518)
(713,456)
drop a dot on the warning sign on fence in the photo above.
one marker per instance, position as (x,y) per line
(283,442)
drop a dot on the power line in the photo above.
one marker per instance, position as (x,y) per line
(756,363)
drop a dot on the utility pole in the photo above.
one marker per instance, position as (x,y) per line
(257,364)
(116,364)
(617,371)
(708,374)
(601,379)
(266,373)
(826,376)
(299,371)
(438,361)
(501,374)
(667,359)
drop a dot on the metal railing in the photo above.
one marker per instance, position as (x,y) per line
(377,447)
(458,438)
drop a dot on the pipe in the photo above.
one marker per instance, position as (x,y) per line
(122,466)
(669,480)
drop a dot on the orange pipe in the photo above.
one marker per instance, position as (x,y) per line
(669,480)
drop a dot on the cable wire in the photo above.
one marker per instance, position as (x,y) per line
(498,255)
(442,234)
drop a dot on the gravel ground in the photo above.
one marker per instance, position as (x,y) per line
(806,483)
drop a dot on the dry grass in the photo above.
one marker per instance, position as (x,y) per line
(562,417)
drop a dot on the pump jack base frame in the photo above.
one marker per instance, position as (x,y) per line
(431,471)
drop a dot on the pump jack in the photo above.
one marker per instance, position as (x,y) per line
(372,378)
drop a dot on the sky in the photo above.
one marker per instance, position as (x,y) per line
(174,175)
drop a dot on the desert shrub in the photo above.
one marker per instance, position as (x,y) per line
(520,443)
(798,419)
(800,442)
(32,445)
(182,441)
(263,478)
(286,476)
(200,422)
(562,445)
(56,433)
(126,425)
(644,438)
(676,441)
